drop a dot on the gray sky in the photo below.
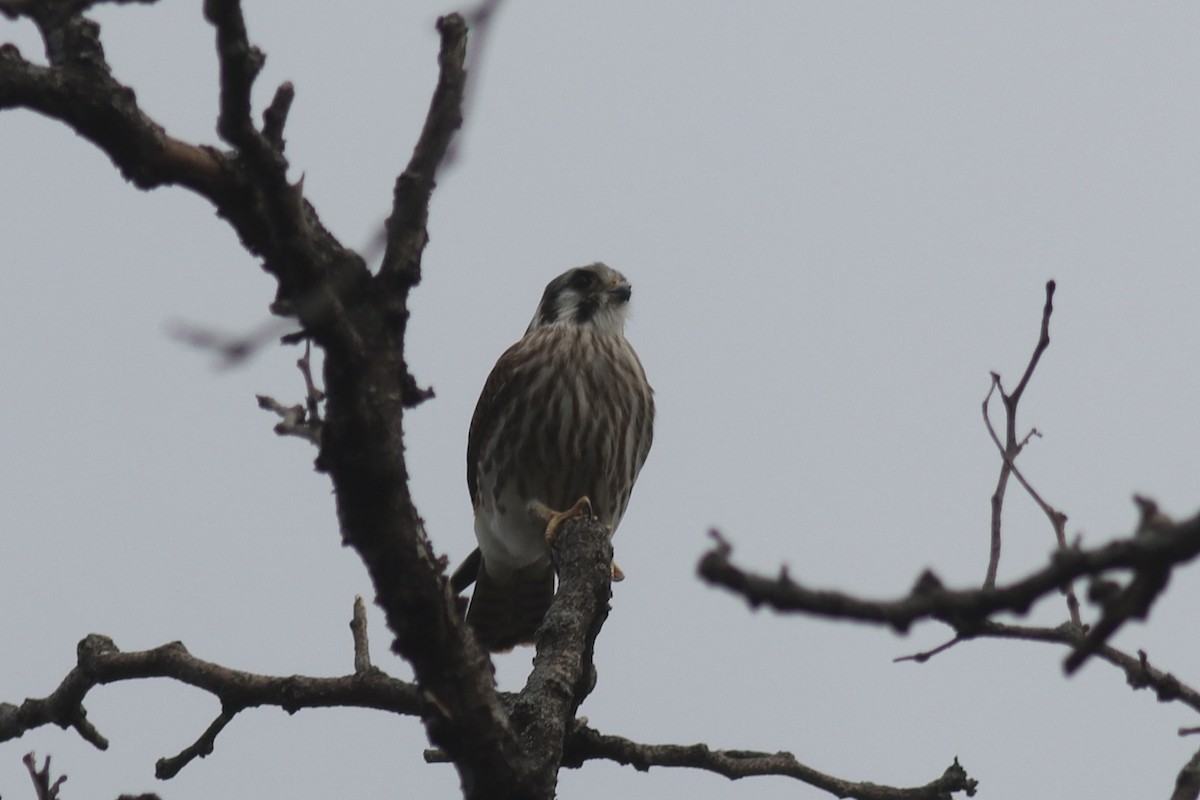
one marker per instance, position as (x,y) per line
(837,218)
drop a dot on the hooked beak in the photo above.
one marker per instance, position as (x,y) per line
(620,292)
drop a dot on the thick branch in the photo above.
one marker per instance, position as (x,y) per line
(362,449)
(1151,554)
(289,226)
(563,671)
(248,187)
(587,744)
(327,287)
(106,113)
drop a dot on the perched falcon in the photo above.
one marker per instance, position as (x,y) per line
(566,413)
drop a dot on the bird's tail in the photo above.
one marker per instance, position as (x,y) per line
(505,614)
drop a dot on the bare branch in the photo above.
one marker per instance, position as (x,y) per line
(563,671)
(240,64)
(587,744)
(168,768)
(248,186)
(43,787)
(925,655)
(406,231)
(1008,454)
(989,580)
(1012,448)
(86,97)
(368,386)
(100,662)
(1042,344)
(1139,672)
(1151,554)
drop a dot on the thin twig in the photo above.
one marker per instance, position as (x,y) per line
(1139,672)
(43,787)
(167,768)
(925,655)
(1009,451)
(998,495)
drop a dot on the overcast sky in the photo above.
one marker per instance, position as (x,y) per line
(837,217)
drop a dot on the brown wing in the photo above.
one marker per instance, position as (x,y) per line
(495,396)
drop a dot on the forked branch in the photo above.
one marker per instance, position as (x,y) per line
(1150,554)
(100,662)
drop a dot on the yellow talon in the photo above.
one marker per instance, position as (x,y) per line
(581,510)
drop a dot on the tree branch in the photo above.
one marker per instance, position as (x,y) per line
(247,186)
(168,768)
(587,744)
(407,232)
(1139,673)
(43,787)
(563,670)
(100,662)
(406,227)
(1008,454)
(1151,554)
(1012,448)
(327,287)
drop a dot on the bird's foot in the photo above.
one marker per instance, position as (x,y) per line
(553,519)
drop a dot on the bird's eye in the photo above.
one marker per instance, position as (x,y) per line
(581,280)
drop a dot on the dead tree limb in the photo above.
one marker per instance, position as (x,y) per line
(1150,554)
(100,662)
(588,744)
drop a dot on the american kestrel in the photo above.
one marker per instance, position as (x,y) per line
(566,413)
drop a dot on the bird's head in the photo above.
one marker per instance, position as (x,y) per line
(595,295)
